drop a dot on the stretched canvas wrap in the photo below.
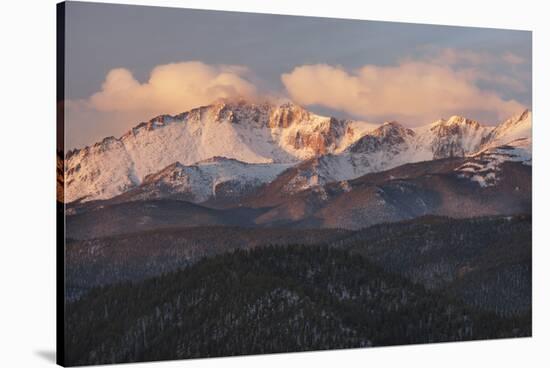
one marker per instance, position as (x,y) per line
(234,183)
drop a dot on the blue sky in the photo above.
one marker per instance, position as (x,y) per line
(261,48)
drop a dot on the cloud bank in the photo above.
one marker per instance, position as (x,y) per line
(436,84)
(172,88)
(413,91)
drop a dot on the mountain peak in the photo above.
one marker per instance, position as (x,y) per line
(523,116)
(516,128)
(392,128)
(288,114)
(390,134)
(261,113)
(460,120)
(455,121)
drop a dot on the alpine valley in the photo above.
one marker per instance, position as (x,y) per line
(244,228)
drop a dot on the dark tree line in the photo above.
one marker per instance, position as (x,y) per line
(266,300)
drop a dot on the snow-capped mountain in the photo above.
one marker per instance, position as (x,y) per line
(455,137)
(251,133)
(230,148)
(518,127)
(392,145)
(377,150)
(511,141)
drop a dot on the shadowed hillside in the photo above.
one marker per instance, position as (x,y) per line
(273,299)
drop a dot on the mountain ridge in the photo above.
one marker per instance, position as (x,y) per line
(325,148)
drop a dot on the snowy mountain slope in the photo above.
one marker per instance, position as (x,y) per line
(252,133)
(516,128)
(315,150)
(100,171)
(511,141)
(218,178)
(378,150)
(455,137)
(392,145)
(405,192)
(484,168)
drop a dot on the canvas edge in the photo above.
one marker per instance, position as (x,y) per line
(60,207)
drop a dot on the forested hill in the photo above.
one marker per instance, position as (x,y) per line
(267,300)
(485,261)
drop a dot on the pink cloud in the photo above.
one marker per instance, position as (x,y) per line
(415,91)
(171,88)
